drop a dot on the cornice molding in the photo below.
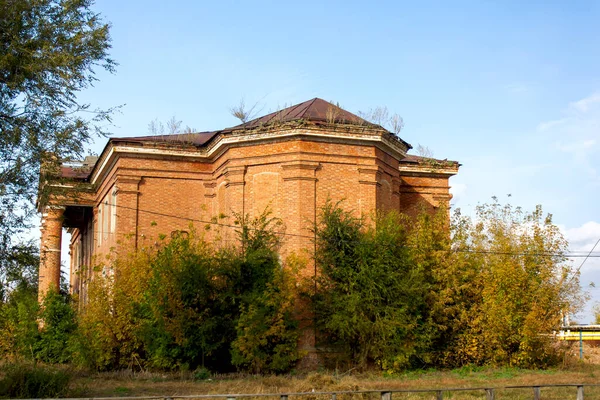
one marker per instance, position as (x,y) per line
(382,140)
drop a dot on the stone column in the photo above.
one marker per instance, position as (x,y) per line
(50,244)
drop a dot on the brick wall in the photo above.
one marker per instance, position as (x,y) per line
(294,177)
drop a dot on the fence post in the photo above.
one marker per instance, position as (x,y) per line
(580,392)
(439,395)
(386,395)
(230,398)
(334,396)
(490,394)
(284,397)
(536,393)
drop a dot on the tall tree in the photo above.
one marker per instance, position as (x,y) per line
(49,51)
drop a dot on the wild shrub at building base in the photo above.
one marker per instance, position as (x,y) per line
(18,323)
(524,283)
(22,337)
(370,298)
(186,304)
(109,322)
(393,292)
(267,332)
(399,292)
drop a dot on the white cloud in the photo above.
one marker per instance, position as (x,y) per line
(586,103)
(458,191)
(579,148)
(581,241)
(544,126)
(583,238)
(575,135)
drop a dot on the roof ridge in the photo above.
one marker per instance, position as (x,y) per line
(309,106)
(293,107)
(316,110)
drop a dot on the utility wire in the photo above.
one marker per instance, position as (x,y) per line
(297,235)
(588,256)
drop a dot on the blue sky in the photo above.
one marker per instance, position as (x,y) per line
(509,89)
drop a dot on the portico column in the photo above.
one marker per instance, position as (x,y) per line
(50,244)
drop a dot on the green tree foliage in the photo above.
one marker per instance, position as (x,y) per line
(521,286)
(483,291)
(190,305)
(267,331)
(184,303)
(394,292)
(109,322)
(49,50)
(370,297)
(18,323)
(18,269)
(452,296)
(54,340)
(21,336)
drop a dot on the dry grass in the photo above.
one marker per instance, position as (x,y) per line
(148,384)
(127,383)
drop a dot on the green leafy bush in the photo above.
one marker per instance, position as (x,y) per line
(189,308)
(54,341)
(267,331)
(370,296)
(18,323)
(182,304)
(24,381)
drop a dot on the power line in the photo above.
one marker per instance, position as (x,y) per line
(297,235)
(588,256)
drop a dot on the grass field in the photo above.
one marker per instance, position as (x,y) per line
(152,384)
(129,384)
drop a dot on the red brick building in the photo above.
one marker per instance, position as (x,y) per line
(292,161)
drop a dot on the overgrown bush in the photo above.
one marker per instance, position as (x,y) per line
(24,381)
(267,331)
(370,296)
(54,340)
(18,323)
(523,284)
(22,336)
(400,292)
(111,320)
(184,303)
(395,292)
(189,308)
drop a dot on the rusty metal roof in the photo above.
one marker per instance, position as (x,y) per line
(316,110)
(74,172)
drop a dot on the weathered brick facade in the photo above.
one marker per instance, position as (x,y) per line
(291,161)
